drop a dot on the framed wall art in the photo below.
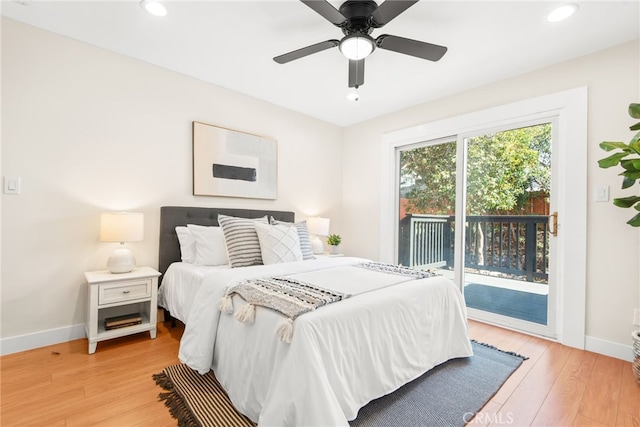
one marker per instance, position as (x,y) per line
(230,163)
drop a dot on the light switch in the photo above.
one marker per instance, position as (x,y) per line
(11,185)
(602,193)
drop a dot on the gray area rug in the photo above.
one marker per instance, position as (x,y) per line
(448,395)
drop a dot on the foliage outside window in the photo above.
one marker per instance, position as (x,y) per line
(505,171)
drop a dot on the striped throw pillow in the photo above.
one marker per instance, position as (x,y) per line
(303,235)
(243,246)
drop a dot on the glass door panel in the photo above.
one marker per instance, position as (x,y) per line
(508,192)
(427,200)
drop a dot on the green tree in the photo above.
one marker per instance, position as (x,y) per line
(503,170)
(432,173)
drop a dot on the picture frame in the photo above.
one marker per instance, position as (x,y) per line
(230,163)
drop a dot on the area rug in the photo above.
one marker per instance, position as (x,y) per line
(507,302)
(448,395)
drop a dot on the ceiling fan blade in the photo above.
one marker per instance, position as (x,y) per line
(431,52)
(305,51)
(326,10)
(356,72)
(389,10)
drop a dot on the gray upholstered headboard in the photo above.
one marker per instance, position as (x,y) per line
(173,216)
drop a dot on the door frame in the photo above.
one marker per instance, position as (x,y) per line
(569,108)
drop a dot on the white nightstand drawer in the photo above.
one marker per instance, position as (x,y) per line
(117,292)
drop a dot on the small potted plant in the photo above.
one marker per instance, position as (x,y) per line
(334,241)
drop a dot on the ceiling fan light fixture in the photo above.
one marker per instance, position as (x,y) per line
(562,12)
(154,7)
(357,46)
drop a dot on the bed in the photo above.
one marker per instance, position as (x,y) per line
(387,328)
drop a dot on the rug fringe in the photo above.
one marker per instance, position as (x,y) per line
(163,381)
(176,404)
(500,350)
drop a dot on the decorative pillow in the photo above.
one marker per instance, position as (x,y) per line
(303,235)
(210,246)
(243,246)
(187,245)
(278,243)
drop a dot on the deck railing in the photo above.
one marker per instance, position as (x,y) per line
(514,245)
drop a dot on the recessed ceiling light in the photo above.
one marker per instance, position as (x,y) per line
(563,12)
(154,7)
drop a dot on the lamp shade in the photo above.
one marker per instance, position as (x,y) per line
(121,227)
(318,226)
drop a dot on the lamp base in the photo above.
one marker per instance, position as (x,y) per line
(121,261)
(316,245)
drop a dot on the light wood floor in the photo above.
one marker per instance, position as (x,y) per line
(61,385)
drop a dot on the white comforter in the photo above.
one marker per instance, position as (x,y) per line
(342,355)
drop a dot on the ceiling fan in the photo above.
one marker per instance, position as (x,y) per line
(357,19)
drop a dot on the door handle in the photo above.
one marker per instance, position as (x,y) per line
(553,228)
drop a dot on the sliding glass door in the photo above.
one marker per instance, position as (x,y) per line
(497,185)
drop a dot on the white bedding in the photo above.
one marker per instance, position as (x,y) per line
(180,285)
(342,355)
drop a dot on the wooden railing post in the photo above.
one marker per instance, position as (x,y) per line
(448,247)
(530,250)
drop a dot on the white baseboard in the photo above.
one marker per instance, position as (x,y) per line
(41,339)
(608,348)
(75,332)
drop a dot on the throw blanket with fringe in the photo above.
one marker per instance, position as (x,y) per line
(287,296)
(397,269)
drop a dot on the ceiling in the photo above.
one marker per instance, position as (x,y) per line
(232,43)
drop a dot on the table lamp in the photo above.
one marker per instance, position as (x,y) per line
(121,227)
(317,227)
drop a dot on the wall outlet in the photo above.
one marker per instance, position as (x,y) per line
(636,317)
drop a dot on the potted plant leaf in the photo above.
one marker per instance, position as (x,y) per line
(334,241)
(628,157)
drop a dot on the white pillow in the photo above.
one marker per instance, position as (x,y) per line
(303,235)
(241,239)
(210,246)
(187,245)
(278,243)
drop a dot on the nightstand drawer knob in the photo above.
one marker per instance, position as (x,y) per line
(126,292)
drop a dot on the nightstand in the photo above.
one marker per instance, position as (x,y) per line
(329,255)
(128,300)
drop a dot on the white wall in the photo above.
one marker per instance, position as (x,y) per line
(90,131)
(613,248)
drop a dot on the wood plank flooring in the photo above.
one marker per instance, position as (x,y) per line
(62,385)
